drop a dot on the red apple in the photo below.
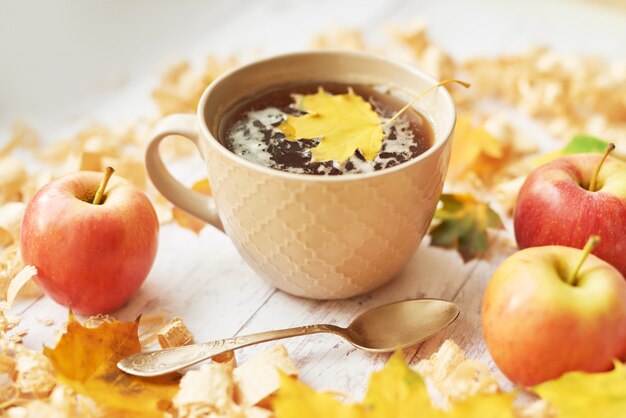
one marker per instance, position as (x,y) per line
(556,207)
(542,317)
(90,257)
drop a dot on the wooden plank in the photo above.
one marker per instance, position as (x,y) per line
(200,278)
(328,362)
(467,331)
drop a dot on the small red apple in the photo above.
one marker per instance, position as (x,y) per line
(571,198)
(92,247)
(545,313)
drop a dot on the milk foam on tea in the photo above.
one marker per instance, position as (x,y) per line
(250,130)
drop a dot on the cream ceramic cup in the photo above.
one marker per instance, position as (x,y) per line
(322,237)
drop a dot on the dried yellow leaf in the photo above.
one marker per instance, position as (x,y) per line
(297,400)
(186,220)
(397,391)
(257,379)
(344,123)
(596,394)
(85,359)
(474,149)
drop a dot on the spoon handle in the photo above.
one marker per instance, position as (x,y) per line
(156,363)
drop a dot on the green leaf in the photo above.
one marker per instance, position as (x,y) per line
(584,143)
(462,222)
(577,145)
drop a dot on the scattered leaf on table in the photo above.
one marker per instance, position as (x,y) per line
(186,220)
(395,391)
(398,391)
(499,405)
(475,150)
(86,360)
(577,145)
(344,122)
(462,222)
(582,395)
(297,400)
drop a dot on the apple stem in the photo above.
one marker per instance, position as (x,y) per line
(422,94)
(591,245)
(594,178)
(108,172)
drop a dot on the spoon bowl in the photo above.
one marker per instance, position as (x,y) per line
(400,324)
(382,329)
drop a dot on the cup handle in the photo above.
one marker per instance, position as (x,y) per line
(188,200)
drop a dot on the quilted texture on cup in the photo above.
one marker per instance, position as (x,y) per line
(322,239)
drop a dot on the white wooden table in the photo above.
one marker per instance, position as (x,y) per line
(202,278)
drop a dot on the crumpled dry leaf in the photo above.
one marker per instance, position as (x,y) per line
(26,374)
(13,175)
(208,390)
(11,215)
(258,379)
(455,377)
(423,52)
(11,264)
(186,220)
(62,403)
(181,85)
(462,222)
(149,325)
(344,122)
(85,359)
(23,136)
(583,395)
(174,334)
(17,283)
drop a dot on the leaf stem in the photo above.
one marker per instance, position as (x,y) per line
(594,178)
(591,245)
(108,172)
(422,94)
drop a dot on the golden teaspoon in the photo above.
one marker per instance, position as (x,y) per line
(382,329)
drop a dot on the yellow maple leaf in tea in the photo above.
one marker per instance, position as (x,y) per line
(582,395)
(85,359)
(187,220)
(344,123)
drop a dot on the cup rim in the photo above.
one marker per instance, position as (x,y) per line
(448,130)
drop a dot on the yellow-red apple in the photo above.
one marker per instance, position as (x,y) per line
(91,256)
(541,318)
(556,206)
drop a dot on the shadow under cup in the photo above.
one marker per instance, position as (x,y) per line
(326,237)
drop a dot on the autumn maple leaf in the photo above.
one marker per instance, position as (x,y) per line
(85,359)
(344,123)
